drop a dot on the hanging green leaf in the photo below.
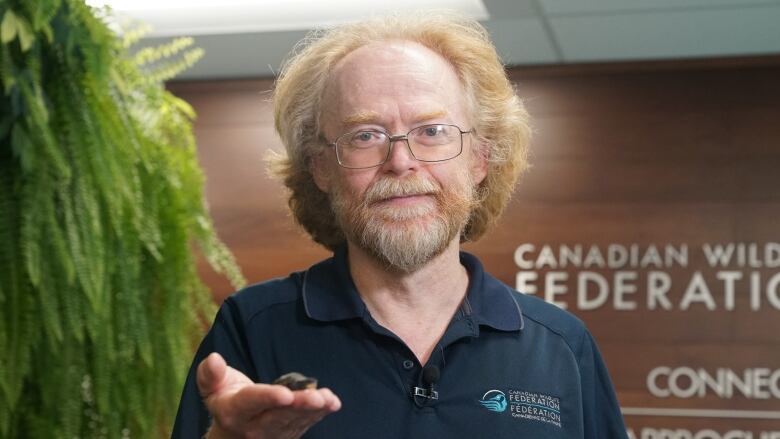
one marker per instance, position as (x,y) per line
(8,27)
(25,34)
(101,198)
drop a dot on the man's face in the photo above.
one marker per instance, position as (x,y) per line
(404,212)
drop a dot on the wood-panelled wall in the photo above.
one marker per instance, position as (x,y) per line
(684,154)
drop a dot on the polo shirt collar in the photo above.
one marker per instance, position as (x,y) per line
(488,301)
(329,294)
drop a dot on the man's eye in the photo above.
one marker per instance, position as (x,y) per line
(432,131)
(367,136)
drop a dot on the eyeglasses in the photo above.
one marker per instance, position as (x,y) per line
(369,148)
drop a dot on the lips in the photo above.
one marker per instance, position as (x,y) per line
(404,198)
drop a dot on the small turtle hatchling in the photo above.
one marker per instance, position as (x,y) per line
(296,381)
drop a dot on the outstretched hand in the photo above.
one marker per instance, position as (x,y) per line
(242,408)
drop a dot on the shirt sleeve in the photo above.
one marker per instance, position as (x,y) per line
(601,412)
(227,337)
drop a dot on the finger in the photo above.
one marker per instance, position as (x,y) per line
(319,399)
(332,402)
(211,373)
(309,399)
(253,399)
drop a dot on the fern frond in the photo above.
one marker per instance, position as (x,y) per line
(101,198)
(133,32)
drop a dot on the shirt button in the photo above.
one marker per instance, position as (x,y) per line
(408,364)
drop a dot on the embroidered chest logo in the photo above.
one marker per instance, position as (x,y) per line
(494,400)
(521,404)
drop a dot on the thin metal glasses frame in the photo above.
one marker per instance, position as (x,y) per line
(392,139)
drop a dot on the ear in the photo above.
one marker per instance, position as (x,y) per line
(320,171)
(479,161)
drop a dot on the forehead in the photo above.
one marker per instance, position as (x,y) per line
(393,81)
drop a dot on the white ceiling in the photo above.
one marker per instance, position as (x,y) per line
(533,32)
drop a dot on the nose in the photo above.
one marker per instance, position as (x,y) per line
(401,160)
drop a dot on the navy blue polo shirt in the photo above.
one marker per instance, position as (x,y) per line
(510,365)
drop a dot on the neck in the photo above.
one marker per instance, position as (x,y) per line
(416,306)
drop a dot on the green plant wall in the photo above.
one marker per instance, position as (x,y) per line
(101,212)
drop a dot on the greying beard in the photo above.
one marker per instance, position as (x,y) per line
(404,238)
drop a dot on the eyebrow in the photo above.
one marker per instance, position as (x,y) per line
(374,117)
(360,118)
(430,115)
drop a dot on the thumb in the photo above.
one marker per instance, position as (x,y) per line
(211,374)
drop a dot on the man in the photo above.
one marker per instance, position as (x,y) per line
(404,138)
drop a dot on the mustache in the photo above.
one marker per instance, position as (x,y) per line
(392,187)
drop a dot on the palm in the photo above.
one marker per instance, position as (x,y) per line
(232,383)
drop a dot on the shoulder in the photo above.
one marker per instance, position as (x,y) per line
(543,316)
(260,297)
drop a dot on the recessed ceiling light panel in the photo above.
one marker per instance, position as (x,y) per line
(200,17)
